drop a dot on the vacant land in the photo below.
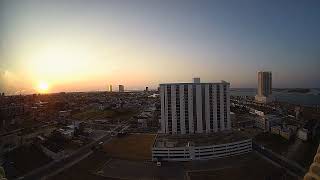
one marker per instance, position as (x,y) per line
(249,166)
(84,169)
(255,168)
(99,166)
(303,153)
(295,149)
(133,147)
(25,159)
(92,114)
(274,142)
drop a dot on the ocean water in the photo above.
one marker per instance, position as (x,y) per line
(308,99)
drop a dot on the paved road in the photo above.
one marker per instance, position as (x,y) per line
(56,165)
(17,131)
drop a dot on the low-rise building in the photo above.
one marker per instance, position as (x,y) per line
(267,121)
(256,112)
(67,131)
(275,129)
(143,123)
(293,128)
(286,133)
(302,134)
(200,146)
(261,123)
(52,151)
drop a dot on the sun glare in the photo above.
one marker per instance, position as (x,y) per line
(43,87)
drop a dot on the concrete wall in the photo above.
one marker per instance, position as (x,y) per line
(52,154)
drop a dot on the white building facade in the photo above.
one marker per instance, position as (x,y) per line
(189,108)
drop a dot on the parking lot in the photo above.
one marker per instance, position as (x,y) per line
(248,166)
(126,169)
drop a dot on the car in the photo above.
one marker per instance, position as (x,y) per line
(159,164)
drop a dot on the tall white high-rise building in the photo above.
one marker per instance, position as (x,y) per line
(188,108)
(264,93)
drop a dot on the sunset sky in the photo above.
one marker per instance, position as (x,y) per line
(85,45)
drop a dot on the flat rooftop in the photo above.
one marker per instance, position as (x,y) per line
(187,83)
(167,140)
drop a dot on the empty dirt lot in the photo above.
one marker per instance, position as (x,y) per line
(131,147)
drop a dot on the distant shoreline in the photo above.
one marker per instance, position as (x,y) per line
(290,95)
(315,91)
(295,90)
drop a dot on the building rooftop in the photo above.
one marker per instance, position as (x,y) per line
(164,140)
(187,83)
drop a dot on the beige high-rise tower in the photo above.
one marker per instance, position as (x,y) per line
(264,92)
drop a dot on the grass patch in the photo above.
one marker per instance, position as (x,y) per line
(132,147)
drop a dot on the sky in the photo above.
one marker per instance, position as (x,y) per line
(86,45)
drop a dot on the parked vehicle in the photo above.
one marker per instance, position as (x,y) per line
(159,164)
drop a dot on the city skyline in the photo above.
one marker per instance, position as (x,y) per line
(84,46)
(144,89)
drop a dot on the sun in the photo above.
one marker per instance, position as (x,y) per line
(43,87)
